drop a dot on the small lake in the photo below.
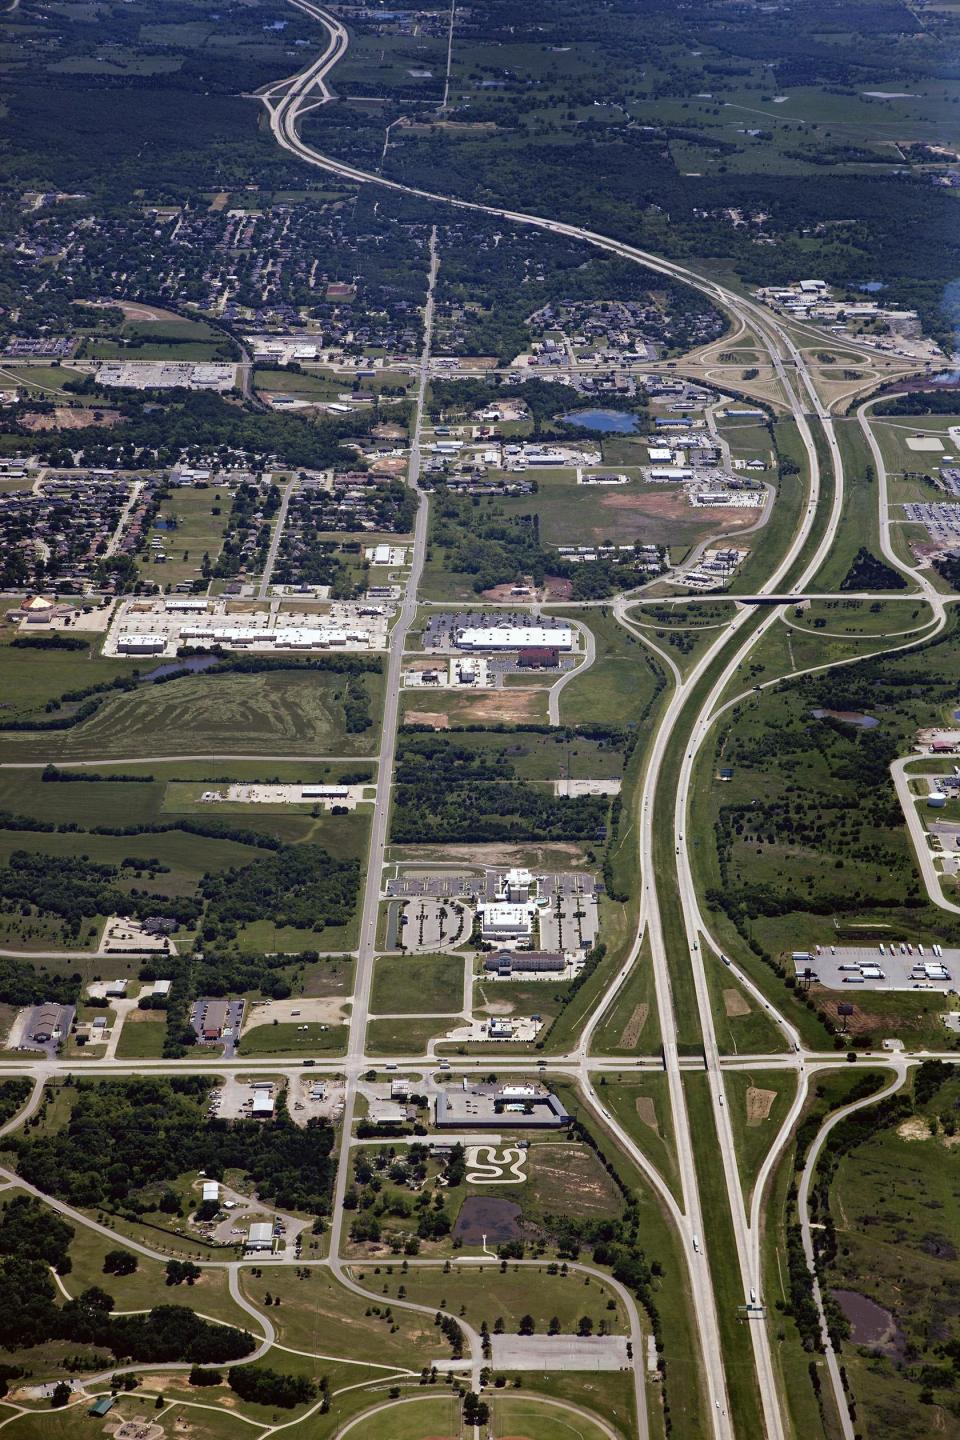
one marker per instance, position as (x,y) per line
(499,1220)
(607,422)
(192,665)
(870,1323)
(847,717)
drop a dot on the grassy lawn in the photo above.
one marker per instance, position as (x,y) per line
(191,523)
(893,1202)
(318,1315)
(294,1039)
(642,1105)
(631,1025)
(620,684)
(147,1286)
(479,1293)
(142,1035)
(404,1036)
(741,1376)
(608,1395)
(742,1028)
(757,1103)
(428,1416)
(525,1416)
(29,678)
(282,711)
(418,985)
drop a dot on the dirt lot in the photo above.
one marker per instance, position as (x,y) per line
(64,417)
(509,591)
(327,1010)
(631,1031)
(633,515)
(759,1103)
(560,855)
(734,1003)
(435,719)
(647,1112)
(510,706)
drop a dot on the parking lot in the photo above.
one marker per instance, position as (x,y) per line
(841,968)
(230,1031)
(439,631)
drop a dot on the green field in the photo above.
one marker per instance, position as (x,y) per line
(620,686)
(280,712)
(483,1292)
(417,985)
(642,1105)
(294,1039)
(757,1102)
(892,1201)
(193,527)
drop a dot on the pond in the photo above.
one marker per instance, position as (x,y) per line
(481,1215)
(847,717)
(193,664)
(870,1323)
(608,422)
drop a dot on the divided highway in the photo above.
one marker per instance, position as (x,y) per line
(286,102)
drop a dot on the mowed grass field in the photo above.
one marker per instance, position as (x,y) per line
(30,678)
(318,1314)
(199,518)
(282,712)
(620,684)
(417,985)
(183,858)
(484,1292)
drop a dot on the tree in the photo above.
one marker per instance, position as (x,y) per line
(119,1262)
(527,1325)
(61,1394)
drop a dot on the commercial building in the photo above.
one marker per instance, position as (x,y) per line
(214,1019)
(503,920)
(263,1105)
(260,1237)
(515,637)
(141,644)
(497,1107)
(211,1191)
(510,962)
(46,1023)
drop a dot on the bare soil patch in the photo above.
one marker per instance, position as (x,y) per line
(631,1031)
(64,417)
(734,1004)
(556,588)
(322,1010)
(647,1112)
(916,1128)
(389,465)
(506,591)
(759,1104)
(512,705)
(434,718)
(219,201)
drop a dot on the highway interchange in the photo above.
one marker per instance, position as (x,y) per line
(696,701)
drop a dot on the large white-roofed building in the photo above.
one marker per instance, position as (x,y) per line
(515,637)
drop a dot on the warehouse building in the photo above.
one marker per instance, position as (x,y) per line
(515,637)
(260,1237)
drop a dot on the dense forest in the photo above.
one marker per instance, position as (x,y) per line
(126,1138)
